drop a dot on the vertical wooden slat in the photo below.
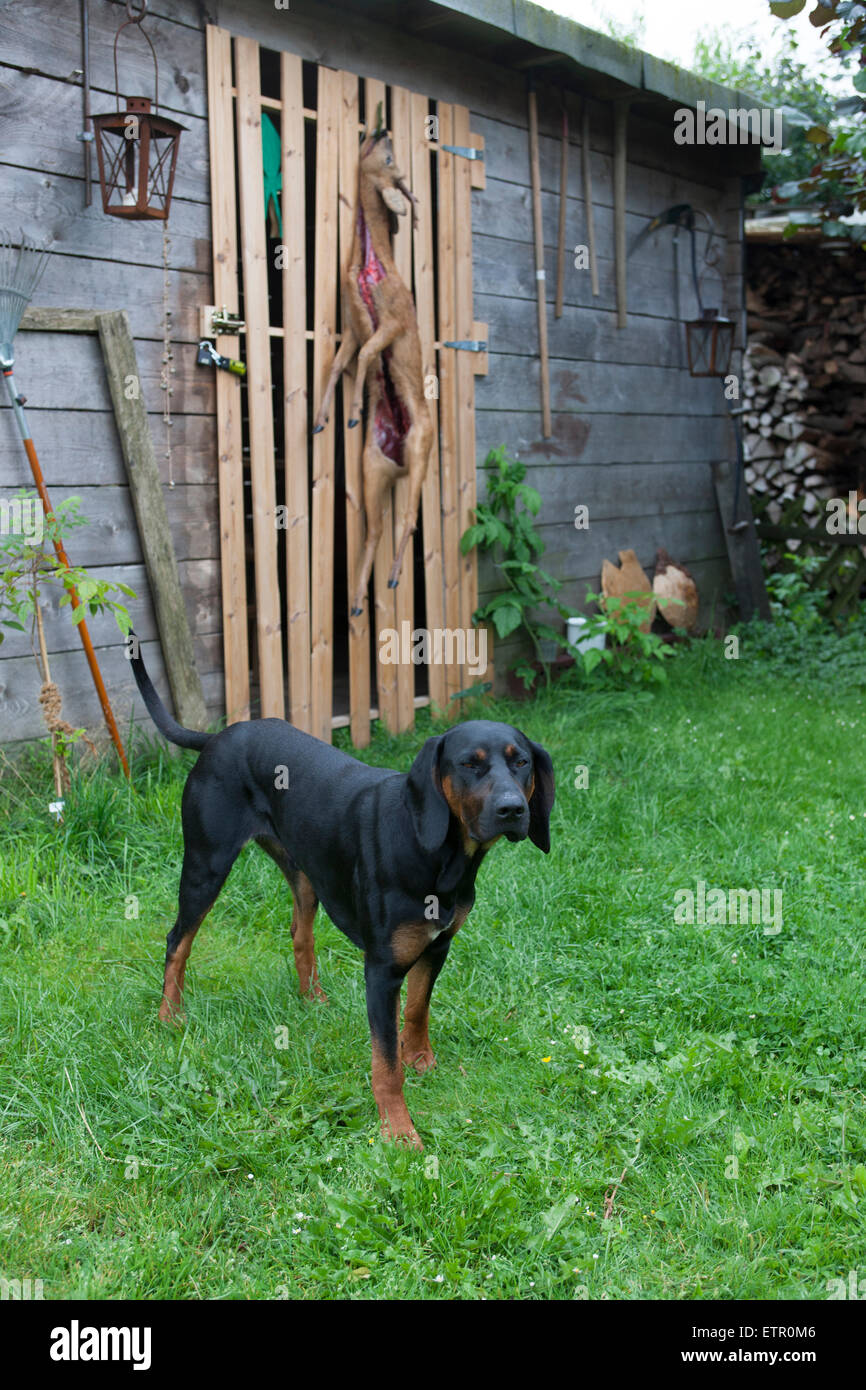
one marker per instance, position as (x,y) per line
(295,426)
(401,139)
(620,127)
(448,386)
(385,606)
(324,328)
(259,397)
(353,440)
(228,388)
(426,307)
(465,372)
(540,282)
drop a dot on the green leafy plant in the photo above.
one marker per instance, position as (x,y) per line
(504,526)
(630,656)
(25,566)
(28,561)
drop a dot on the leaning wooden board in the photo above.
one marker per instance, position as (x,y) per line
(145,486)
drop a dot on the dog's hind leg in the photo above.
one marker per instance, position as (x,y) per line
(304,905)
(201,879)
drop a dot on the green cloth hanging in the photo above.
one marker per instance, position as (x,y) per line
(271,164)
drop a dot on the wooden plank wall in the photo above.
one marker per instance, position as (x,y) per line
(103,263)
(634,436)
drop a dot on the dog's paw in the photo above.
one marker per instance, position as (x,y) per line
(409,1138)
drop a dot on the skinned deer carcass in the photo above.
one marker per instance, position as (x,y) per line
(380,325)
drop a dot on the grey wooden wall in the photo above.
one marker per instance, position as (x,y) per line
(102,262)
(634,435)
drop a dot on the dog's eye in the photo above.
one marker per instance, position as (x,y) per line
(468,764)
(521,762)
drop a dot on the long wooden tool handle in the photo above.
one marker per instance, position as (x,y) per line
(620,121)
(587,195)
(563,201)
(75,601)
(546,427)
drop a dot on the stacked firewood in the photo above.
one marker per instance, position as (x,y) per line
(804,372)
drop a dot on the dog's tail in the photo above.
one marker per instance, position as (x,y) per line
(168,727)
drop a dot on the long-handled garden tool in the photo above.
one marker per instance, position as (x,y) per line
(21,267)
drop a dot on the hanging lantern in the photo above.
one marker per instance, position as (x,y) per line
(710,342)
(136,150)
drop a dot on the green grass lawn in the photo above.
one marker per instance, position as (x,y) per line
(584,1037)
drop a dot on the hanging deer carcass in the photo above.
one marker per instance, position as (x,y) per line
(379,324)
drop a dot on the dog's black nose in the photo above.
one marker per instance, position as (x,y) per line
(510,810)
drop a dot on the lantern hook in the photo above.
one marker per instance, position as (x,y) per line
(137,17)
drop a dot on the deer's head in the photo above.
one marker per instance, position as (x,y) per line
(378,168)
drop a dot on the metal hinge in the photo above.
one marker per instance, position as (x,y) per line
(468,344)
(465,151)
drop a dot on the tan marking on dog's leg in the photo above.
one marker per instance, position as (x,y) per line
(303,945)
(171,1008)
(395,1120)
(415,1048)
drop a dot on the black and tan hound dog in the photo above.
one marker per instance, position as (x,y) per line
(392,858)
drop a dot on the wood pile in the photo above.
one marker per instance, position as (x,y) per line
(804,373)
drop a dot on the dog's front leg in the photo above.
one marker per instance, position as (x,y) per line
(383,981)
(415,1048)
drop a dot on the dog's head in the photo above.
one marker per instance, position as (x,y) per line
(377,165)
(490,778)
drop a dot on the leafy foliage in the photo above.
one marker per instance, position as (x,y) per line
(629,656)
(26,565)
(801,641)
(505,526)
(836,182)
(782,82)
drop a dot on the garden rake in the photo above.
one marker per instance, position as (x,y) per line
(21,266)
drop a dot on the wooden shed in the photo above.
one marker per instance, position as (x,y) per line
(264,519)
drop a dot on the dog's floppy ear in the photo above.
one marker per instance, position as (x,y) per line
(425,798)
(543,794)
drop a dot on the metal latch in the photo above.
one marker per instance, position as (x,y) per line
(215,321)
(465,151)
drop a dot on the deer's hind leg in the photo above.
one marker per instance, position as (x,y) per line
(379,476)
(416,451)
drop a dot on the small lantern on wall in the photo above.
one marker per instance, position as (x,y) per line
(136,150)
(710,342)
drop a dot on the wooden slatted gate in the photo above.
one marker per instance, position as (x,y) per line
(437,262)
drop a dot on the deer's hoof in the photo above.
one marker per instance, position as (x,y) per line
(353,423)
(317,429)
(356,612)
(392,583)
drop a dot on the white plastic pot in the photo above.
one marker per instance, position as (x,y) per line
(573,628)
